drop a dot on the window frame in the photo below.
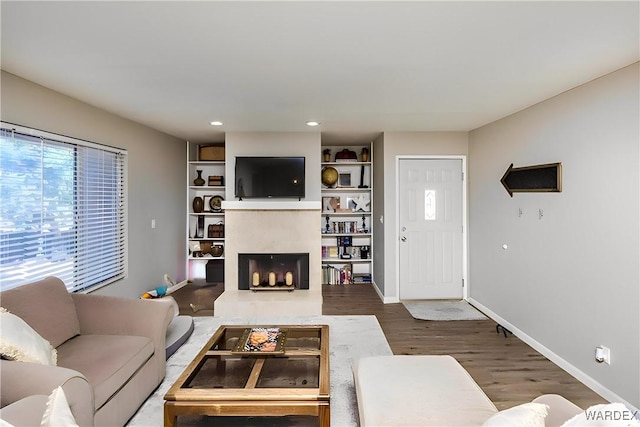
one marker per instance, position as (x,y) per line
(120,186)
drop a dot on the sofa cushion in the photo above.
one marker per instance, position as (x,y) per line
(107,361)
(525,415)
(560,409)
(46,306)
(58,412)
(18,341)
(418,390)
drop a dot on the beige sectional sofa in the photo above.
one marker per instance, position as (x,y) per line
(110,354)
(425,391)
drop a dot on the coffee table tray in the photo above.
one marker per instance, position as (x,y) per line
(261,341)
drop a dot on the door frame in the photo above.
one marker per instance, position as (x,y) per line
(465,223)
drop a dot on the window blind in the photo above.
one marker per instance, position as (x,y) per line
(62,209)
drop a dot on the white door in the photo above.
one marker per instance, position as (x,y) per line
(431,235)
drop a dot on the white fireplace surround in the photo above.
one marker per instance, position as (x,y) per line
(271,227)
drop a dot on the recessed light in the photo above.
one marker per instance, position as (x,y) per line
(215,123)
(312,123)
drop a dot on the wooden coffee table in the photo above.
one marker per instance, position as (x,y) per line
(238,373)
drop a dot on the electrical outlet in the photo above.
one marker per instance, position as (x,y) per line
(603,355)
(153,223)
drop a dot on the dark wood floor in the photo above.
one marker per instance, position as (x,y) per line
(509,371)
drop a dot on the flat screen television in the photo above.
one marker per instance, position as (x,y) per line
(269,177)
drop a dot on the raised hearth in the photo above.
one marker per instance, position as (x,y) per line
(271,228)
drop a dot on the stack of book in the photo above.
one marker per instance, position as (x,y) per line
(361,279)
(337,276)
(345,252)
(344,227)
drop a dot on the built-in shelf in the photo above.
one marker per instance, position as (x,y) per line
(207,187)
(346,234)
(347,205)
(207,162)
(207,266)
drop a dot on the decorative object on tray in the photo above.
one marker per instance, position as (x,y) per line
(329,176)
(198,204)
(261,341)
(216,180)
(346,155)
(199,181)
(216,203)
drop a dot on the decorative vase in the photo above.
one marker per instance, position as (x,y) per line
(198,204)
(365,154)
(199,181)
(326,155)
(217,250)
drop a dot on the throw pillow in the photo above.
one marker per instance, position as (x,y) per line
(525,415)
(606,414)
(58,413)
(18,341)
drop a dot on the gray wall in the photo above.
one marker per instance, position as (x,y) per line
(377,227)
(569,281)
(396,144)
(156,176)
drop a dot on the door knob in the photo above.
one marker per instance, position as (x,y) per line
(403,238)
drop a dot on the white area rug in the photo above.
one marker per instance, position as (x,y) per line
(350,338)
(442,310)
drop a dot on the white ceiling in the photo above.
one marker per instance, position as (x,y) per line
(359,67)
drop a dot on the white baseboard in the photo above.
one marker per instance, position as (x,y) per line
(385,300)
(546,352)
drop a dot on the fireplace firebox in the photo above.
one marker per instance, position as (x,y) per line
(283,271)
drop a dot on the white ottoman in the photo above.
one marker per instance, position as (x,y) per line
(418,390)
